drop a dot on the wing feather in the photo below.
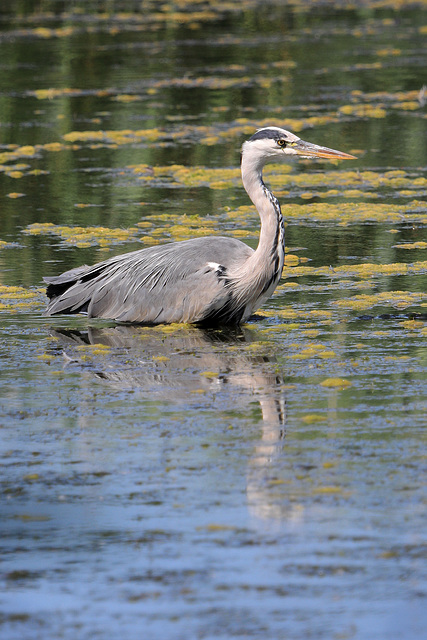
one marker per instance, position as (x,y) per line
(166,283)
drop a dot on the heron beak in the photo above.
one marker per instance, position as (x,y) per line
(308,150)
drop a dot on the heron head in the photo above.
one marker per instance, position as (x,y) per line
(272,144)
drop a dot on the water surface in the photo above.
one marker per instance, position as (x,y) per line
(262,482)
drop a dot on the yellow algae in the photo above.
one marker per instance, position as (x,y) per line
(320,313)
(255,347)
(27,150)
(316,346)
(411,245)
(124,97)
(291,260)
(396,97)
(217,527)
(183,233)
(367,270)
(310,333)
(314,351)
(241,233)
(161,358)
(307,195)
(287,313)
(170,328)
(81,236)
(291,326)
(53,146)
(38,172)
(21,295)
(330,490)
(413,324)
(363,111)
(51,93)
(278,481)
(31,476)
(14,174)
(328,465)
(313,418)
(346,212)
(5,245)
(23,305)
(209,133)
(335,383)
(326,354)
(98,347)
(388,51)
(209,374)
(14,299)
(397,299)
(281,327)
(11,289)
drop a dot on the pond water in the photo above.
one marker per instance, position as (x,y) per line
(173,482)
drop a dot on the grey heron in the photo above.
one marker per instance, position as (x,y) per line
(209,280)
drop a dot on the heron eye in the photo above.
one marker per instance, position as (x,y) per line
(281,143)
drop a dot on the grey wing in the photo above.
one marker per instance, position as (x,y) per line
(178,282)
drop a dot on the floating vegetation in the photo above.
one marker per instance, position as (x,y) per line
(82,236)
(336,383)
(394,299)
(27,151)
(364,271)
(6,245)
(15,299)
(411,245)
(363,111)
(379,101)
(314,350)
(14,195)
(326,184)
(209,135)
(347,213)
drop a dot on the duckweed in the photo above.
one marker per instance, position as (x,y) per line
(335,383)
(82,236)
(396,299)
(14,299)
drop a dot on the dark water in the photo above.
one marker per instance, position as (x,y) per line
(265,482)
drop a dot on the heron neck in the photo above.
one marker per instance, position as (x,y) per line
(271,239)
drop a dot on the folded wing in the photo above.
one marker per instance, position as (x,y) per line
(178,282)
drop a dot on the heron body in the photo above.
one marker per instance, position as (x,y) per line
(210,280)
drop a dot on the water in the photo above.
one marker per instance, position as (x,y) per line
(263,482)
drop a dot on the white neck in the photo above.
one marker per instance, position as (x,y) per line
(266,204)
(260,274)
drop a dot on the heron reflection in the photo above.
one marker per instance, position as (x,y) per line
(227,365)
